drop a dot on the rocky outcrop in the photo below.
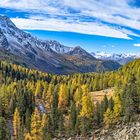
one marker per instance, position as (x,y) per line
(130,131)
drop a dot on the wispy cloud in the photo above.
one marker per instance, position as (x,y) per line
(137,45)
(110,18)
(60,25)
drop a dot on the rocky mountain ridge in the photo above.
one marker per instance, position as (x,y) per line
(46,55)
(120,58)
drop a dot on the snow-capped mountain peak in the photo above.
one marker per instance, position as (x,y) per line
(59,48)
(6,22)
(46,55)
(13,34)
(120,58)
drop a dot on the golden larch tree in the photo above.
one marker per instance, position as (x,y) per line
(87,107)
(28,137)
(36,129)
(16,123)
(62,97)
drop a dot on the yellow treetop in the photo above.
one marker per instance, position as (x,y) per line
(16,123)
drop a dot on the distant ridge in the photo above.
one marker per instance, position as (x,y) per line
(120,58)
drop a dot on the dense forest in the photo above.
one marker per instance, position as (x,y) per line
(41,106)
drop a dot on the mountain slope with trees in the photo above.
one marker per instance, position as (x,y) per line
(45,106)
(45,55)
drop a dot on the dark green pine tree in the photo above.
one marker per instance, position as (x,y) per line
(130,99)
(111,104)
(127,105)
(103,107)
(105,103)
(28,119)
(61,122)
(97,114)
(77,130)
(4,131)
(12,106)
(73,116)
(2,108)
(54,110)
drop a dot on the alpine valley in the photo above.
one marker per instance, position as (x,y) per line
(69,70)
(50,56)
(49,91)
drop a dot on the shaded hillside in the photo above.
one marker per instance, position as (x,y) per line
(87,63)
(19,60)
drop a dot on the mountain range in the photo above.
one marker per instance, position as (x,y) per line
(120,58)
(50,56)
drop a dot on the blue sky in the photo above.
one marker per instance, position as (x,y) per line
(111,26)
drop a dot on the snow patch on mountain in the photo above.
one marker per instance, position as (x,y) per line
(59,48)
(121,58)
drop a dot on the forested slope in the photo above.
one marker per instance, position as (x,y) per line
(36,105)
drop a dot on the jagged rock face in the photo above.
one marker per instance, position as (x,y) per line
(3,40)
(32,49)
(45,55)
(59,48)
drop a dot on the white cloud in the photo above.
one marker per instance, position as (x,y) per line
(32,6)
(129,32)
(137,45)
(118,12)
(60,25)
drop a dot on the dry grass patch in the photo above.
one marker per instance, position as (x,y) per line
(97,96)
